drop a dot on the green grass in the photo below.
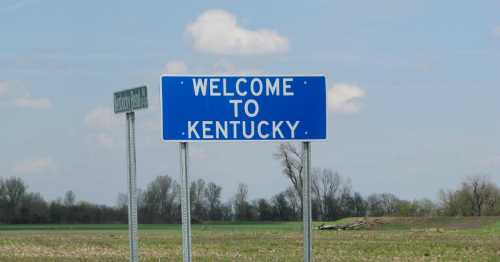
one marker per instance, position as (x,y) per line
(280,226)
(398,239)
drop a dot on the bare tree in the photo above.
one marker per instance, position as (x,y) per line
(389,203)
(15,189)
(34,209)
(425,207)
(477,196)
(281,208)
(197,191)
(327,187)
(3,201)
(159,199)
(482,193)
(213,194)
(241,193)
(294,201)
(198,200)
(3,192)
(449,203)
(122,201)
(242,208)
(69,198)
(291,161)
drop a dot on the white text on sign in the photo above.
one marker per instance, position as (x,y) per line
(243,106)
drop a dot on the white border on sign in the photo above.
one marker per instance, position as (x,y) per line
(244,140)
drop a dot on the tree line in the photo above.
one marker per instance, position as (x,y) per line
(332,198)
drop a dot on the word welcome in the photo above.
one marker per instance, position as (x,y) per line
(256,87)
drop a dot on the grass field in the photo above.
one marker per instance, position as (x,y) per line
(398,239)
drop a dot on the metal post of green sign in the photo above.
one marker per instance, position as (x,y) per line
(132,188)
(306,201)
(185,203)
(126,102)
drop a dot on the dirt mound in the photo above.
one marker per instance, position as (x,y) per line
(410,223)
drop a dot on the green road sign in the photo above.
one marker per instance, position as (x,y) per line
(131,99)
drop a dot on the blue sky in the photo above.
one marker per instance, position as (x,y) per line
(414,88)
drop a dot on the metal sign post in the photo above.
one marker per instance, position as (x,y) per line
(243,108)
(127,101)
(185,203)
(132,188)
(306,201)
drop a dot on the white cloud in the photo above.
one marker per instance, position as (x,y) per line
(18,5)
(4,88)
(218,32)
(22,99)
(42,166)
(226,67)
(27,101)
(175,67)
(105,126)
(221,66)
(496,31)
(101,118)
(345,98)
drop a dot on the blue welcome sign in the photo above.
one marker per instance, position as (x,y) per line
(201,108)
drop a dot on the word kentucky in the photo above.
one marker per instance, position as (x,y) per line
(241,129)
